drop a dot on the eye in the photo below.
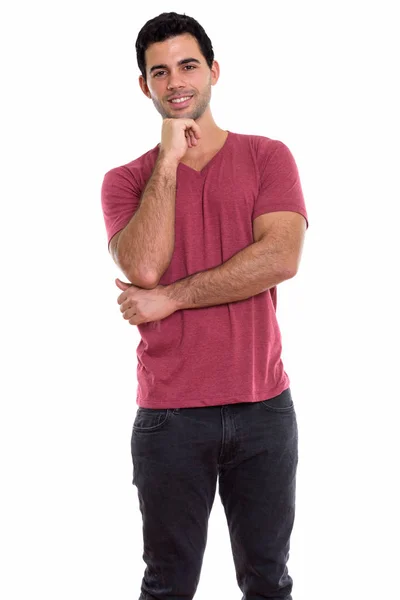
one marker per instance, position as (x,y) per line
(159,73)
(189,67)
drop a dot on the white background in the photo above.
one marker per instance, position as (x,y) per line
(321,77)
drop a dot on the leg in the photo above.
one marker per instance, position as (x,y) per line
(174,454)
(257,489)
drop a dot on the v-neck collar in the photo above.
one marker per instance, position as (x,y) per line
(210,162)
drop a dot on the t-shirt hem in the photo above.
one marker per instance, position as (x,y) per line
(256,396)
(281,207)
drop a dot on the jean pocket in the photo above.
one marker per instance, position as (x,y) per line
(150,419)
(279,404)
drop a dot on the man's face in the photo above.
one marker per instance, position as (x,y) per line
(176,68)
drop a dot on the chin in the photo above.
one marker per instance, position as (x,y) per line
(181,115)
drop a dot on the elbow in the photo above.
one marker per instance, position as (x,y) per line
(135,275)
(136,278)
(288,270)
(290,264)
(283,275)
(149,284)
(150,281)
(145,282)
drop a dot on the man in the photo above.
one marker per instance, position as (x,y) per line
(209,220)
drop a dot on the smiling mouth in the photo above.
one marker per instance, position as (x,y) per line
(180,101)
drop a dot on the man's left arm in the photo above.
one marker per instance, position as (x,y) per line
(273,257)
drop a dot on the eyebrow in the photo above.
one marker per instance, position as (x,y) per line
(181,62)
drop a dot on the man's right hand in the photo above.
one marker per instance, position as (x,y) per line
(177,135)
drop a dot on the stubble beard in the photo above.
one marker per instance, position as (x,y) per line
(196,112)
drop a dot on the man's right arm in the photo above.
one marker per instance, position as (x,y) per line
(143,249)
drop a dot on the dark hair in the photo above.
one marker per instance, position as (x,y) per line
(169,25)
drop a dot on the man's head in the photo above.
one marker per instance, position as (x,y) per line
(176,60)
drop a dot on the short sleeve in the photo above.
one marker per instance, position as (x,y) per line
(120,199)
(280,186)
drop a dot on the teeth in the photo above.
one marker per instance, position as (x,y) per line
(177,100)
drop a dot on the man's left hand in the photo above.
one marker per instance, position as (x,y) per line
(139,305)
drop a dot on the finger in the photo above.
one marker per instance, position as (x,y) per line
(188,138)
(125,306)
(129,313)
(193,139)
(191,123)
(121,298)
(196,130)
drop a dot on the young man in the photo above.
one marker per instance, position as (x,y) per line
(205,226)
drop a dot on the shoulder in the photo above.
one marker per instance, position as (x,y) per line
(135,172)
(260,147)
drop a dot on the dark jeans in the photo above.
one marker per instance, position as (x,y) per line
(178,456)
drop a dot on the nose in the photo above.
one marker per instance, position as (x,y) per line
(175,80)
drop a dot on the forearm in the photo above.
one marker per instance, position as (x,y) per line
(146,244)
(251,271)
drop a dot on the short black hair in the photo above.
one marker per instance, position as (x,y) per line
(168,25)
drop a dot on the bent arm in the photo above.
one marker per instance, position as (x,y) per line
(144,248)
(273,258)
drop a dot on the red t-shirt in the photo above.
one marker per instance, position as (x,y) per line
(231,352)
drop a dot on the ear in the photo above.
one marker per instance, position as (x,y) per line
(214,72)
(144,86)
